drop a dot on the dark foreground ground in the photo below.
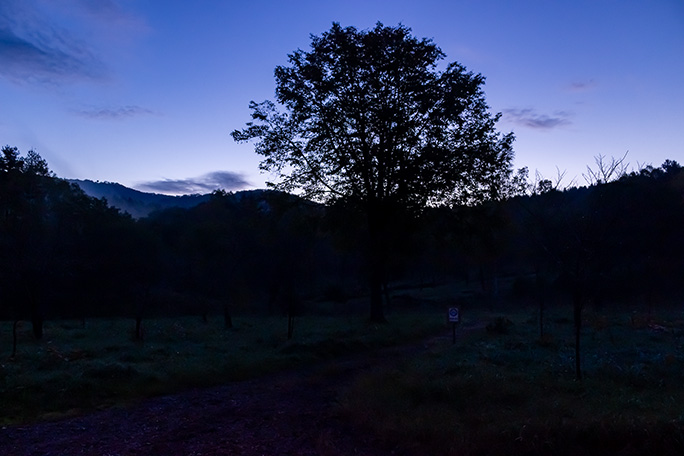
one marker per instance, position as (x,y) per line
(293,413)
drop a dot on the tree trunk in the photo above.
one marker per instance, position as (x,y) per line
(376,258)
(377,314)
(138,329)
(386,294)
(228,321)
(292,305)
(37,322)
(541,301)
(14,338)
(483,282)
(541,318)
(290,325)
(577,312)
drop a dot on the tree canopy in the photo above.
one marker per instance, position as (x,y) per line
(369,116)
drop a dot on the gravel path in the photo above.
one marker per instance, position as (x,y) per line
(292,413)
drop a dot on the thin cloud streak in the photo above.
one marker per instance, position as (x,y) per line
(33,50)
(34,60)
(207,183)
(582,86)
(530,118)
(108,11)
(115,113)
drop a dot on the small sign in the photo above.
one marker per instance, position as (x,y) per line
(453,314)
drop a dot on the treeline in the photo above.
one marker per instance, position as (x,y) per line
(64,254)
(610,241)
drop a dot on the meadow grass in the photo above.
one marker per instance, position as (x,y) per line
(78,367)
(492,394)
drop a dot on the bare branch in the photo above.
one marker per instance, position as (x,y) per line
(540,184)
(606,171)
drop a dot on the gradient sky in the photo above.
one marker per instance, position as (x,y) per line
(146,92)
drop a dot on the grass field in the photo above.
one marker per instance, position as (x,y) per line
(507,393)
(490,393)
(77,368)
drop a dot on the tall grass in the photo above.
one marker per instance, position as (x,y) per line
(77,368)
(492,394)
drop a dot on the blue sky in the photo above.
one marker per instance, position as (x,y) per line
(146,92)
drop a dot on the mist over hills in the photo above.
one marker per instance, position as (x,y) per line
(138,204)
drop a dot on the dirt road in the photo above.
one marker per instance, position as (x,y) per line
(292,413)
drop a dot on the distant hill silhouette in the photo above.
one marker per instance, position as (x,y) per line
(138,204)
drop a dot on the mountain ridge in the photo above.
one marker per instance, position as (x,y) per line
(135,202)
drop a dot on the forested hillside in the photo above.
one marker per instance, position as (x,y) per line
(65,254)
(136,203)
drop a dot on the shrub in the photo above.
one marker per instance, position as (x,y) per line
(501,325)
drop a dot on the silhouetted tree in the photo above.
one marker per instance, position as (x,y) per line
(24,229)
(60,250)
(606,171)
(369,119)
(539,212)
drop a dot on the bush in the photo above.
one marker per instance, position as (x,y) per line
(501,325)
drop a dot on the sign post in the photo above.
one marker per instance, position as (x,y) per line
(454,318)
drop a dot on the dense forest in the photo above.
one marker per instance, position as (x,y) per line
(67,255)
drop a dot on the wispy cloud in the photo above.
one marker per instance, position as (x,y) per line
(106,10)
(47,58)
(582,86)
(223,180)
(530,118)
(62,41)
(121,112)
(111,19)
(32,49)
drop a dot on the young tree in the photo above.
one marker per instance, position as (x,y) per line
(368,118)
(606,171)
